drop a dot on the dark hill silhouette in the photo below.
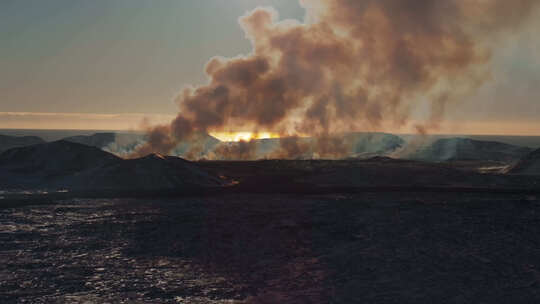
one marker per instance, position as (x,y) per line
(147,173)
(9,142)
(98,140)
(462,149)
(528,165)
(73,166)
(38,166)
(55,158)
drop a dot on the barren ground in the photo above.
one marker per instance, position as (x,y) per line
(271,248)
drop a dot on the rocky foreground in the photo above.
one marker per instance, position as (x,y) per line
(339,248)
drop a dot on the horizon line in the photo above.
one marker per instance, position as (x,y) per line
(210,133)
(138,122)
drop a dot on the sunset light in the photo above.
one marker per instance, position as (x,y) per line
(270,151)
(243,136)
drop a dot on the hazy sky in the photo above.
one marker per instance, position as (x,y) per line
(100,59)
(114,56)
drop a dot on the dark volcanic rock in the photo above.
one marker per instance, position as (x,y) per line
(458,149)
(9,142)
(253,249)
(99,140)
(529,165)
(40,165)
(67,165)
(153,172)
(55,158)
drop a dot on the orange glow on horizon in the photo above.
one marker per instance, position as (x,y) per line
(243,136)
(133,122)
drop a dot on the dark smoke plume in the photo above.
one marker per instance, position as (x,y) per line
(352,65)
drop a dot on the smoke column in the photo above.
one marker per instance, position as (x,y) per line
(351,65)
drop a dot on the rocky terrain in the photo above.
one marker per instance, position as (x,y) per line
(371,247)
(353,174)
(88,171)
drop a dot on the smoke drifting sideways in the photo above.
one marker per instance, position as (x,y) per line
(351,65)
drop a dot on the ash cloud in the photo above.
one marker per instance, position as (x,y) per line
(351,66)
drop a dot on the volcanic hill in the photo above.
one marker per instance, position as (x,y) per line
(73,166)
(8,142)
(466,149)
(529,165)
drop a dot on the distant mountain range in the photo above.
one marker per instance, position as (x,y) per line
(360,145)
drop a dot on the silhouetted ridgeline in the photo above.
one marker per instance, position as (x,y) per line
(99,140)
(66,165)
(8,142)
(529,165)
(452,149)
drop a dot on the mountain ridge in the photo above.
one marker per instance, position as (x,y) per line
(67,165)
(466,149)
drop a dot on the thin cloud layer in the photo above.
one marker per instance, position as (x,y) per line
(79,121)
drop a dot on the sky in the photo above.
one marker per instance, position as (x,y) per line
(119,64)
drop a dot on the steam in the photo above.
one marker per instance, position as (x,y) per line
(245,150)
(352,65)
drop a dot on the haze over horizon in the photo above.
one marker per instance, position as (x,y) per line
(109,65)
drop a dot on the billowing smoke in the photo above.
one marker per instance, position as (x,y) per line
(352,65)
(245,150)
